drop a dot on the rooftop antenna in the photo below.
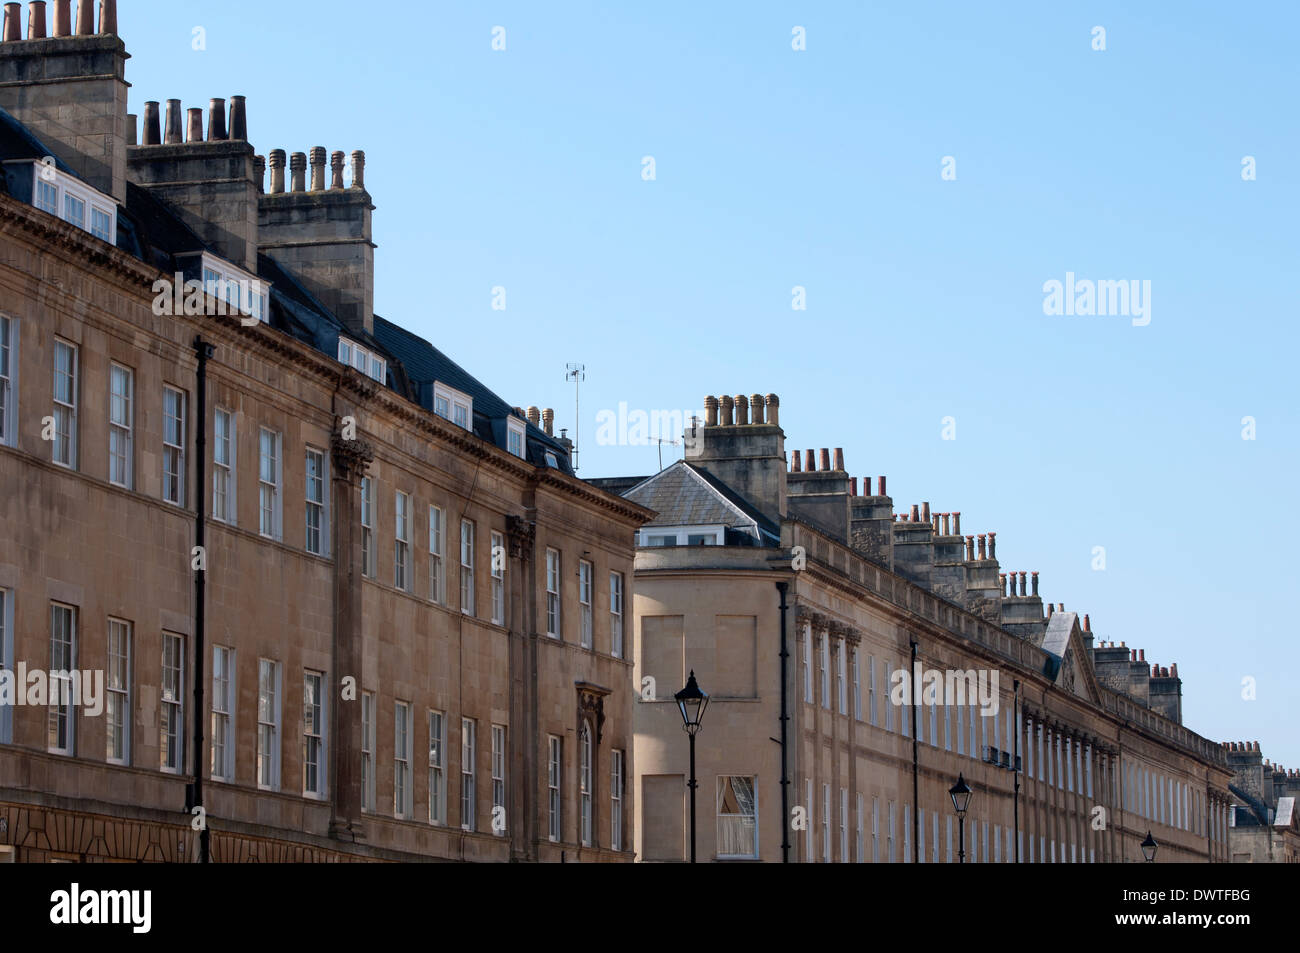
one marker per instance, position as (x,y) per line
(576,373)
(662,441)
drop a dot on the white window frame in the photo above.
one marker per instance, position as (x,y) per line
(402,541)
(368,555)
(269,483)
(227,284)
(6,659)
(824,669)
(468,789)
(826,823)
(807,666)
(437,767)
(585,572)
(121,426)
(268,724)
(498,776)
(9,332)
(453,405)
(658,536)
(65,409)
(467,537)
(437,549)
(872,718)
(844,825)
(224,470)
(222,756)
(368,736)
(516,430)
(616,614)
(857,686)
(363,359)
(808,839)
(585,767)
(117,690)
(173,456)
(554,788)
(172,703)
(64,186)
(841,685)
(498,573)
(318,503)
(554,607)
(616,781)
(401,758)
(317,738)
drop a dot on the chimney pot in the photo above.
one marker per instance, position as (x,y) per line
(725,406)
(548,422)
(796,464)
(132,129)
(1142,655)
(742,410)
(1034,577)
(983,540)
(217,120)
(175,131)
(1049,610)
(1155,671)
(259,171)
(13,22)
(756,408)
(956,523)
(882,487)
(825,460)
(358,169)
(1022,580)
(710,411)
(993,548)
(853,486)
(1002,582)
(1173,669)
(62,18)
(970,548)
(86,18)
(336,170)
(773,410)
(1132,654)
(36,20)
(916,514)
(925,512)
(152,128)
(534,416)
(318,168)
(276,162)
(297,171)
(839,459)
(809,461)
(108,17)
(946,524)
(239,118)
(194,125)
(1087,623)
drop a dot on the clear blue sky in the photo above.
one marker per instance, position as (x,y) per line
(821,168)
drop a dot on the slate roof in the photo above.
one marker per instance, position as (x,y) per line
(686,495)
(149,229)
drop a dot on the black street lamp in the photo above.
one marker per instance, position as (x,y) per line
(960,794)
(692,703)
(1149,848)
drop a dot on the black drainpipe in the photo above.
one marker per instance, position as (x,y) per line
(1015,761)
(783,588)
(204,351)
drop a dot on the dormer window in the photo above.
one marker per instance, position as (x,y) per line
(515,433)
(236,291)
(74,201)
(453,405)
(363,359)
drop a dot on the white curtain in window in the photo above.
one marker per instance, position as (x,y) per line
(736,820)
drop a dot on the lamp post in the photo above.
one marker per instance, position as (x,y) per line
(960,794)
(692,703)
(1149,848)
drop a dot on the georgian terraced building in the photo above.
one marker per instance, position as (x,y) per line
(796,601)
(405,619)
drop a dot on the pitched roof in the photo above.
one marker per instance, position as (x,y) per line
(685,495)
